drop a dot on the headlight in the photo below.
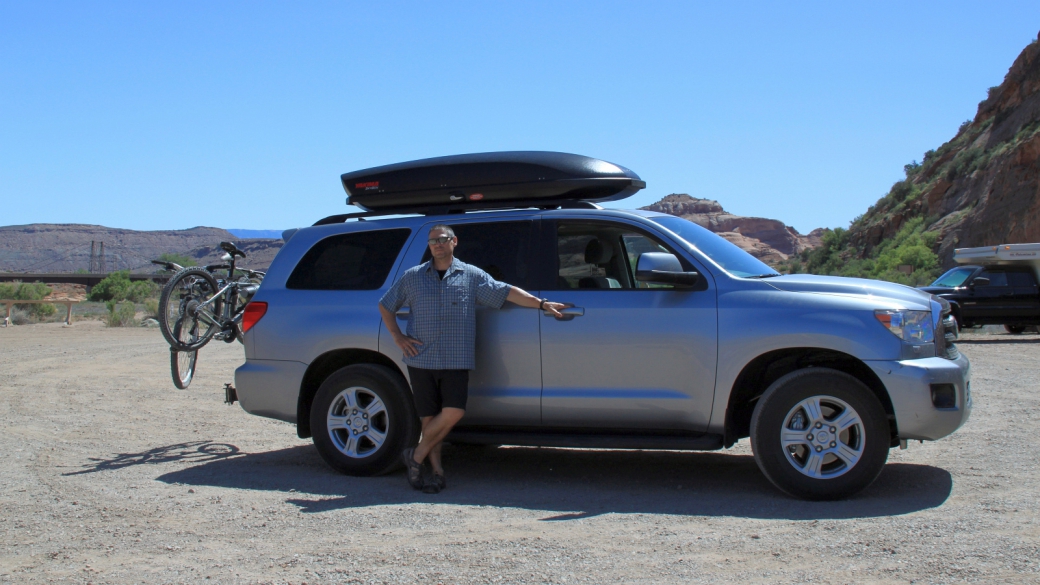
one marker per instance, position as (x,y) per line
(910,326)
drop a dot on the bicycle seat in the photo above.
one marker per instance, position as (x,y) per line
(172,266)
(232,249)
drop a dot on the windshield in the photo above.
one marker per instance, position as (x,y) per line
(727,255)
(954,278)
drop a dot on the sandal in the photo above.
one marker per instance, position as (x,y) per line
(431,486)
(413,470)
(438,480)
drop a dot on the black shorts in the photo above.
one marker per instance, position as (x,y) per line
(438,389)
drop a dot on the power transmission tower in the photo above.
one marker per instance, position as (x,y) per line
(97,257)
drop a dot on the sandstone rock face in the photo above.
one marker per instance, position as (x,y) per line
(768,240)
(66,247)
(983,187)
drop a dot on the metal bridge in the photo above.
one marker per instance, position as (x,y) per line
(89,279)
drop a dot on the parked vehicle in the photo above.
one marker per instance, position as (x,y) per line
(994,285)
(675,338)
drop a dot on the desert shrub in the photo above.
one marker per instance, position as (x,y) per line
(965,124)
(142,290)
(151,308)
(120,314)
(911,168)
(20,317)
(112,287)
(118,287)
(29,291)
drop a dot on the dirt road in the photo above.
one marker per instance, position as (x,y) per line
(111,475)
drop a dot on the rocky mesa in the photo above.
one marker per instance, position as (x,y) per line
(67,247)
(769,240)
(982,188)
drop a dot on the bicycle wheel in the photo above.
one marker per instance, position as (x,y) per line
(182,363)
(185,297)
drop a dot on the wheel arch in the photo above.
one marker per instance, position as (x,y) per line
(765,369)
(321,368)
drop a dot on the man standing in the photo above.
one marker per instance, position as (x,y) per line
(440,345)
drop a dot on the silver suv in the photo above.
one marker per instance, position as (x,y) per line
(676,339)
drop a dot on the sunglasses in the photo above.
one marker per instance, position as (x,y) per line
(443,240)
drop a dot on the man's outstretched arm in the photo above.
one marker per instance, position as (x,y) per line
(519,296)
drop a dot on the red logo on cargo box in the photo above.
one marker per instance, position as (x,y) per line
(368,185)
(476,197)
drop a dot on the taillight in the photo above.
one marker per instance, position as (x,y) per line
(254,311)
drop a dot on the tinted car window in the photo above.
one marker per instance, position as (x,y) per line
(356,261)
(995,278)
(1021,279)
(954,278)
(503,249)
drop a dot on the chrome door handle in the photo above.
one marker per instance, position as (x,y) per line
(568,313)
(404,312)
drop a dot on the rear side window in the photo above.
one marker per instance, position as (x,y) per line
(1021,279)
(505,250)
(357,261)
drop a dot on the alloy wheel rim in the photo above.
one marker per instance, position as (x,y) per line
(358,422)
(823,437)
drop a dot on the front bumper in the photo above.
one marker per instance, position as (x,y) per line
(270,388)
(909,384)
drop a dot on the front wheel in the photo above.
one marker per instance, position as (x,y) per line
(362,417)
(820,434)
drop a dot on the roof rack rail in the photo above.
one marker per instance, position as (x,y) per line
(453,209)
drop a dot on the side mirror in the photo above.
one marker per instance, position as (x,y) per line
(664,268)
(980,281)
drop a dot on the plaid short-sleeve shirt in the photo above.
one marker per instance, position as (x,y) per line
(443,312)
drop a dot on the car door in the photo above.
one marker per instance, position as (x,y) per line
(629,356)
(990,303)
(1025,295)
(505,387)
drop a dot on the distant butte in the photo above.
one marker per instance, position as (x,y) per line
(769,240)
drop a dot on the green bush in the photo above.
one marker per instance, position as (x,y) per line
(912,246)
(120,314)
(112,287)
(27,291)
(118,287)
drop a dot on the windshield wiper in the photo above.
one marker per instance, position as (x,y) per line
(764,275)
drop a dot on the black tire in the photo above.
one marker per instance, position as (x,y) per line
(187,289)
(382,403)
(182,363)
(1015,329)
(819,469)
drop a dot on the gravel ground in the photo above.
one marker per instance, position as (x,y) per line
(110,475)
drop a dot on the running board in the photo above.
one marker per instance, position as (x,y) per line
(679,442)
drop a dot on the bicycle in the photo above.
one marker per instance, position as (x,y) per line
(196,306)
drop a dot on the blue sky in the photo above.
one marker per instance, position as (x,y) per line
(149,115)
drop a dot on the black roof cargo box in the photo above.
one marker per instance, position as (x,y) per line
(489,179)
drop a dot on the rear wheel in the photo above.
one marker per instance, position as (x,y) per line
(182,363)
(184,297)
(819,434)
(362,418)
(1015,329)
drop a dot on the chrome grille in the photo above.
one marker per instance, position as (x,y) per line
(946,336)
